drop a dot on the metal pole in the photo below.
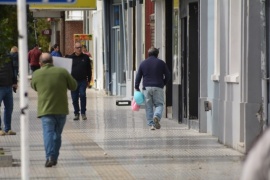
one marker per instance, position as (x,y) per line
(24,118)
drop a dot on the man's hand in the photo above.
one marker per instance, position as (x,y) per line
(14,87)
(89,85)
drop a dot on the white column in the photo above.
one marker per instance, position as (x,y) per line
(160,27)
(24,118)
(129,71)
(138,34)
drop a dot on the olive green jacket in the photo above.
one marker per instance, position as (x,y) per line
(51,84)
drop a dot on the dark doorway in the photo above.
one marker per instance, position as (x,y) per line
(169,53)
(190,64)
(193,60)
(184,77)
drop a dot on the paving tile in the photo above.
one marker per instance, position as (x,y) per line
(115,143)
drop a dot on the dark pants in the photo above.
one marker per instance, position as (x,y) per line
(80,92)
(33,68)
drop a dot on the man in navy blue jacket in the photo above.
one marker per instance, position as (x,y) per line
(156,75)
(81,72)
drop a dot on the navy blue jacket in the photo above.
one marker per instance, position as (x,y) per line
(155,73)
(7,76)
(15,59)
(81,67)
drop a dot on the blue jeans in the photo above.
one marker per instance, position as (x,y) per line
(6,95)
(52,129)
(80,92)
(154,101)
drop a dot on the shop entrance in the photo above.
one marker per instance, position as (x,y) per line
(190,64)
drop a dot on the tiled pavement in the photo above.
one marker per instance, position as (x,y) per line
(115,143)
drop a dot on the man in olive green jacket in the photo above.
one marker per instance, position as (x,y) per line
(51,84)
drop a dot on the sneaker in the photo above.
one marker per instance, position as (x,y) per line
(76,117)
(84,117)
(2,133)
(156,121)
(152,127)
(11,132)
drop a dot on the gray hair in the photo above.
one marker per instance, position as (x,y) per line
(45,58)
(153,52)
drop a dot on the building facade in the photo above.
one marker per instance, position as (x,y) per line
(217,51)
(214,49)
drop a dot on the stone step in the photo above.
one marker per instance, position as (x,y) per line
(5,158)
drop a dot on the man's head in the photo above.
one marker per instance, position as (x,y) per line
(78,48)
(14,49)
(36,46)
(153,52)
(56,47)
(45,58)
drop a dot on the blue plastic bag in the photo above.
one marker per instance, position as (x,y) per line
(138,97)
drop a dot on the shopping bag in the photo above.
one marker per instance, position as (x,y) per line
(138,97)
(135,106)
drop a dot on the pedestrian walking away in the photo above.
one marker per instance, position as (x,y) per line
(52,84)
(156,75)
(8,83)
(33,58)
(81,71)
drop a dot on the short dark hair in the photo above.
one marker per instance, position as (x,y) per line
(55,46)
(153,52)
(84,46)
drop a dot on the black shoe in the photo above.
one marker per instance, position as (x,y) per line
(50,162)
(54,163)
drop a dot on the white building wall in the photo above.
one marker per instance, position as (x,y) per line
(223,88)
(129,69)
(97,42)
(205,20)
(232,87)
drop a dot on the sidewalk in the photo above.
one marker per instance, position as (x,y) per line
(116,143)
